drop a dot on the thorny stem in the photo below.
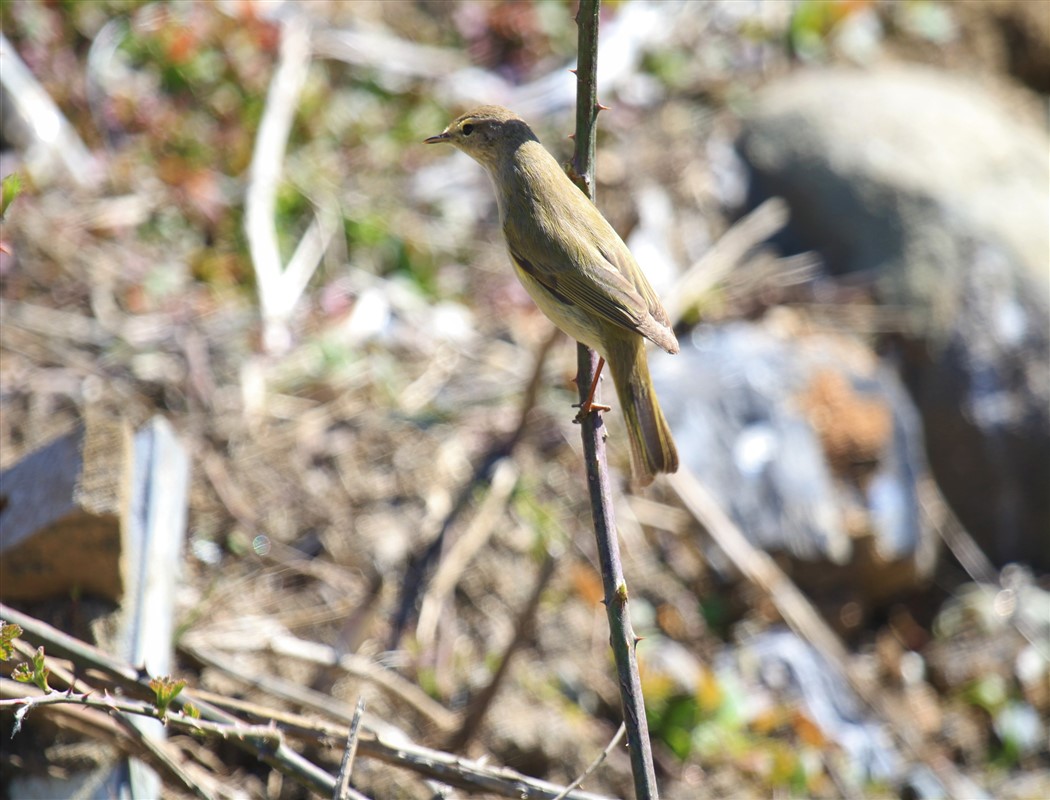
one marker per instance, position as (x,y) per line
(622,635)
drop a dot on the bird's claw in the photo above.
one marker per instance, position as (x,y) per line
(587,408)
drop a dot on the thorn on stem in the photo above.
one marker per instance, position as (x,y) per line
(601,107)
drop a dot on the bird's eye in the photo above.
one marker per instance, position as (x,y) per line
(468,129)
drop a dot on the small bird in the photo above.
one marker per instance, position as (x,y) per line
(576,269)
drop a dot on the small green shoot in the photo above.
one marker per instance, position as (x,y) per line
(165,690)
(34,672)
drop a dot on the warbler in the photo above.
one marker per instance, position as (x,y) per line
(577,270)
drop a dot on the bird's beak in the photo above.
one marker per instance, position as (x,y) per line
(441,137)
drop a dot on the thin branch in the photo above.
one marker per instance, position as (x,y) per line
(307,256)
(342,784)
(22,699)
(45,134)
(265,742)
(65,646)
(374,48)
(599,759)
(119,673)
(592,426)
(970,556)
(464,773)
(101,724)
(268,743)
(280,288)
(386,743)
(314,652)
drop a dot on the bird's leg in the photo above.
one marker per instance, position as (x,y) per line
(588,405)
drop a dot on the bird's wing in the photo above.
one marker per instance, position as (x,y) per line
(620,257)
(568,247)
(597,288)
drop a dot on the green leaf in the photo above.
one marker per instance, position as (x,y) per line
(8,633)
(10,189)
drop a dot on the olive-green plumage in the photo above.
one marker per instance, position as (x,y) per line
(576,269)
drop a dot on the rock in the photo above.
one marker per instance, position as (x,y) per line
(812,447)
(899,173)
(985,402)
(937,191)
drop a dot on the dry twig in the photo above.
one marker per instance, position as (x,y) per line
(47,137)
(358,666)
(266,740)
(604,754)
(281,287)
(717,262)
(592,428)
(342,784)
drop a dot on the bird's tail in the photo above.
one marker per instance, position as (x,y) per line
(652,447)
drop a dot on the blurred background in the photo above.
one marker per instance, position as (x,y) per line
(227,218)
